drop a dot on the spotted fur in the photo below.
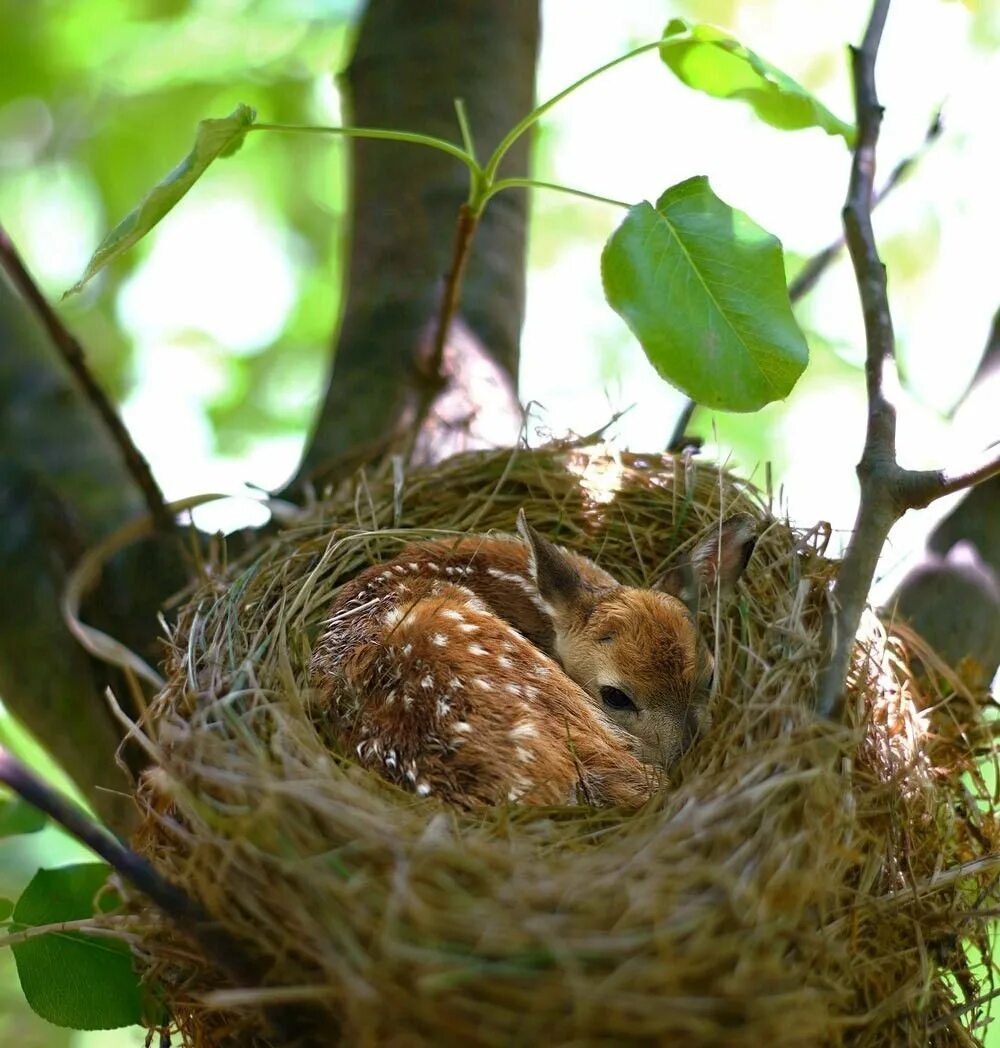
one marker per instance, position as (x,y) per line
(474,671)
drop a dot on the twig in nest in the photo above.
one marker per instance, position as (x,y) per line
(809,275)
(72,353)
(887,490)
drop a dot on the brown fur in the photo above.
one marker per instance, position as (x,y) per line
(472,671)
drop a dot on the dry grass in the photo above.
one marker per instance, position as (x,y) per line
(799,884)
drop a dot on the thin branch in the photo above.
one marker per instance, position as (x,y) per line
(377,134)
(219,946)
(72,353)
(533,183)
(813,270)
(809,275)
(678,439)
(878,509)
(75,821)
(432,372)
(924,486)
(887,490)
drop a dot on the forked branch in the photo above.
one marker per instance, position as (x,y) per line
(887,490)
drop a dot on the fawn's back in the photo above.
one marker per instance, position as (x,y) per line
(491,670)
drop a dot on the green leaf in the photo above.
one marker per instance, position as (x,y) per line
(68,978)
(702,287)
(17,816)
(215,138)
(6,909)
(708,60)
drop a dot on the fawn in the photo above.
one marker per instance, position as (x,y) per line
(489,669)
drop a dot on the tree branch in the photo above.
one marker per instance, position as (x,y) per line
(887,490)
(228,953)
(73,354)
(63,488)
(813,270)
(809,275)
(925,486)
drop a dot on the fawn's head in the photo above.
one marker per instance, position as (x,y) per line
(639,653)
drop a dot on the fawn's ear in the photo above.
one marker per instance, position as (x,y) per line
(716,562)
(559,583)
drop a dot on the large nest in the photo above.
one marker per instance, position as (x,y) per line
(797,883)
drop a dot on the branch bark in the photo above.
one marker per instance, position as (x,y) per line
(76,360)
(63,486)
(812,272)
(410,64)
(887,490)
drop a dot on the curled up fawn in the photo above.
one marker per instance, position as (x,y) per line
(489,670)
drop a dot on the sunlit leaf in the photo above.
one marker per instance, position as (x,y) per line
(215,138)
(709,60)
(702,288)
(71,979)
(17,816)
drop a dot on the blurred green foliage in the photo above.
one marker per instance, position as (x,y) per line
(99,99)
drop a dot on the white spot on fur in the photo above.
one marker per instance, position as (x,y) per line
(530,691)
(407,649)
(424,789)
(411,774)
(468,627)
(483,685)
(390,697)
(390,759)
(505,662)
(407,699)
(542,669)
(399,569)
(427,682)
(514,689)
(392,617)
(431,566)
(522,584)
(443,708)
(385,575)
(450,613)
(524,730)
(439,639)
(455,683)
(523,755)
(462,727)
(476,649)
(473,603)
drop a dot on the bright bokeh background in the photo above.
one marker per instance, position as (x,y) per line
(214,333)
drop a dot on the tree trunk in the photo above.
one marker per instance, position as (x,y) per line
(63,487)
(410,64)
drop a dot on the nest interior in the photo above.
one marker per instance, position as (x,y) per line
(797,883)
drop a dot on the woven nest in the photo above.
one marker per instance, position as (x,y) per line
(798,882)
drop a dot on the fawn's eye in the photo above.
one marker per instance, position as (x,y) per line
(616,699)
